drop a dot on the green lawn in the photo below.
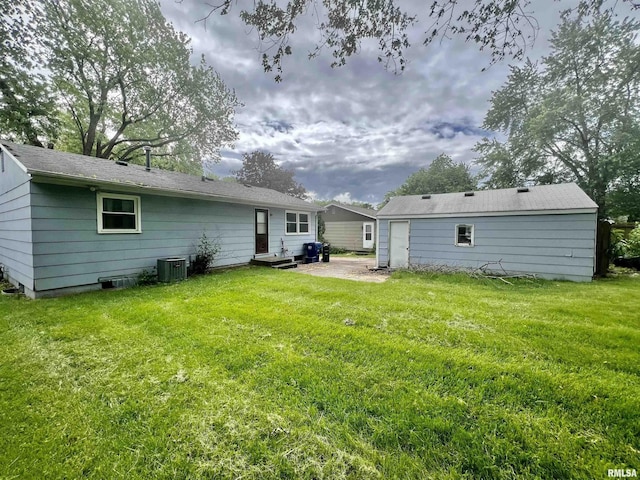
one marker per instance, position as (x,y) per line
(255,373)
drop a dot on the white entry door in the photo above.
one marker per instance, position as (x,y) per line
(367,234)
(398,244)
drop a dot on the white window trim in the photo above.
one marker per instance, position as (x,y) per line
(136,210)
(473,234)
(297,214)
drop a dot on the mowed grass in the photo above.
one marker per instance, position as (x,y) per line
(259,374)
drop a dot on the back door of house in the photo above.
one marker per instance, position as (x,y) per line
(262,230)
(367,234)
(398,244)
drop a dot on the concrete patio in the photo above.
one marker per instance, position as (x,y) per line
(350,268)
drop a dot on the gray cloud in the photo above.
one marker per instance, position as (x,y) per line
(357,131)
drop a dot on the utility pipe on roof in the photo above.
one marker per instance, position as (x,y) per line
(147,151)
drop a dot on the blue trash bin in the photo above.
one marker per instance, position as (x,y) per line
(312,252)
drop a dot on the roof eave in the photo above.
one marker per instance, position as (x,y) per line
(489,214)
(7,152)
(350,210)
(72,180)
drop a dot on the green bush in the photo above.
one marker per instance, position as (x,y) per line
(625,247)
(205,255)
(147,277)
(633,243)
(322,228)
(618,244)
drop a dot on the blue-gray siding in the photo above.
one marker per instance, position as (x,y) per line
(15,224)
(550,246)
(68,251)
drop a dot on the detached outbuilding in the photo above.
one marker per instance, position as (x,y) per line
(350,227)
(547,230)
(70,223)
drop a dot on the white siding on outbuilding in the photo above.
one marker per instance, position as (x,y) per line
(345,224)
(347,235)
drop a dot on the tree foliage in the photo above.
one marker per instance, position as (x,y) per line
(633,243)
(572,117)
(28,113)
(623,197)
(363,205)
(124,75)
(105,79)
(260,170)
(355,203)
(503,28)
(442,176)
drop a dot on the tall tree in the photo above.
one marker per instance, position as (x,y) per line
(623,197)
(124,76)
(503,28)
(260,169)
(363,205)
(574,116)
(442,176)
(28,112)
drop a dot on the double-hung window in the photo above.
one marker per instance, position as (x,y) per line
(118,213)
(464,235)
(297,223)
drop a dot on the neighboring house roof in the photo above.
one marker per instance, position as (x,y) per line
(561,198)
(61,167)
(367,212)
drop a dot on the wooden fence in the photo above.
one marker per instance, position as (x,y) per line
(603,240)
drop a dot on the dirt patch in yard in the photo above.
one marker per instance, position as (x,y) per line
(348,268)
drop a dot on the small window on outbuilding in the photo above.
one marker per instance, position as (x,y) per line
(118,213)
(464,235)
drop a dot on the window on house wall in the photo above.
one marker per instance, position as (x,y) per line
(464,235)
(118,213)
(297,223)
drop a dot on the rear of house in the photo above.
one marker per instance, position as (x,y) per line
(72,223)
(549,231)
(349,227)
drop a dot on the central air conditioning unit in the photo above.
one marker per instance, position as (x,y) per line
(172,269)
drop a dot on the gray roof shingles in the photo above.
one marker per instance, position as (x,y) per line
(566,196)
(84,170)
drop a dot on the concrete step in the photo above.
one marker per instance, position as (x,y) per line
(284,266)
(271,261)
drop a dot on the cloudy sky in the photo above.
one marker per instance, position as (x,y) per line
(358,131)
